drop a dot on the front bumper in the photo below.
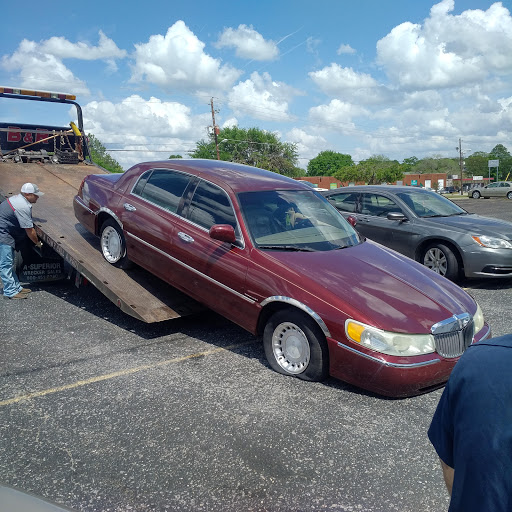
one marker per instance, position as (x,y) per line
(389,375)
(484,262)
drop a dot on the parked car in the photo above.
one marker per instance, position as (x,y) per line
(429,228)
(313,185)
(498,189)
(275,257)
(448,190)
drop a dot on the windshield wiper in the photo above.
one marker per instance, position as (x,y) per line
(286,248)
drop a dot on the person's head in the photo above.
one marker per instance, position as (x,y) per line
(31,192)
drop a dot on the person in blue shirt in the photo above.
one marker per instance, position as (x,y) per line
(471,430)
(15,226)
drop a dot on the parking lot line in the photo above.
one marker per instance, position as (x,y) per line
(121,373)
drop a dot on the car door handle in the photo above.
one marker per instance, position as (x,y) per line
(185,237)
(129,207)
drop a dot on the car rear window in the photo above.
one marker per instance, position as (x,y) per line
(162,187)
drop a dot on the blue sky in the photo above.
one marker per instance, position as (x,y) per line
(398,78)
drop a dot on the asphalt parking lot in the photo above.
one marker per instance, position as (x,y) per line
(101,412)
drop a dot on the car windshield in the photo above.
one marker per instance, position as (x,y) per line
(430,204)
(295,220)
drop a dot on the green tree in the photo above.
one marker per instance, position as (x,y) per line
(326,163)
(251,146)
(409,163)
(377,169)
(499,152)
(476,164)
(100,156)
(174,156)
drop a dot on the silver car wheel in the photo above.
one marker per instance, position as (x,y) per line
(291,348)
(475,194)
(111,245)
(435,259)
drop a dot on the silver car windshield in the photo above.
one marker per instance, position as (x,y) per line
(295,220)
(430,204)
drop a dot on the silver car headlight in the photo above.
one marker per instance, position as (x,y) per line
(392,343)
(492,242)
(478,319)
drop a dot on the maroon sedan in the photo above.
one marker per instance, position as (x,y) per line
(273,256)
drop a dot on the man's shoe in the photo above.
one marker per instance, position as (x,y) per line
(25,290)
(17,296)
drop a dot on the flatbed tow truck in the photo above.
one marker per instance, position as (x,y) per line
(57,159)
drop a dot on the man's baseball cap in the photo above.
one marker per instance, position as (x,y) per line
(31,188)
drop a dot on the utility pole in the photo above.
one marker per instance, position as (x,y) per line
(461,163)
(215,131)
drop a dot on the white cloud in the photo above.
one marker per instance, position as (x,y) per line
(448,50)
(64,49)
(262,98)
(337,115)
(345,49)
(40,65)
(42,70)
(156,130)
(248,43)
(178,60)
(308,145)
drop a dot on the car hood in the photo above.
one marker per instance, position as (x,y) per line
(474,225)
(375,285)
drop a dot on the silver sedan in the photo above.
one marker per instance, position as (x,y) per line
(498,189)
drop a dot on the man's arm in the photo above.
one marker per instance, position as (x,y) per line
(448,474)
(31,233)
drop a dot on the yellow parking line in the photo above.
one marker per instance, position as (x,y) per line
(121,373)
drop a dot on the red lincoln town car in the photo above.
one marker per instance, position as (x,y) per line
(272,255)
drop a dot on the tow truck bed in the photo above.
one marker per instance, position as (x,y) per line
(136,292)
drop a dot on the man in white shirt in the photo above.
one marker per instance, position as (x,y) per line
(16,224)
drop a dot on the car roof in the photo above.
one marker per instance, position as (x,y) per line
(239,177)
(381,188)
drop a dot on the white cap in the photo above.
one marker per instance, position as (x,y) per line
(31,188)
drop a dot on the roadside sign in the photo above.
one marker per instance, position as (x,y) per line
(493,163)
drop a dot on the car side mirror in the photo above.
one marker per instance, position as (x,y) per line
(397,216)
(223,233)
(352,220)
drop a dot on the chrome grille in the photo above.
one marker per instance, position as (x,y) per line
(454,335)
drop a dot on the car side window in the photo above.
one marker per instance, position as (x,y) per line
(162,187)
(378,205)
(344,201)
(210,205)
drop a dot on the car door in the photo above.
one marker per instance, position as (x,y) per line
(213,272)
(148,214)
(491,190)
(372,222)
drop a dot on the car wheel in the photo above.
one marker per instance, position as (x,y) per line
(442,260)
(509,195)
(113,245)
(295,345)
(475,194)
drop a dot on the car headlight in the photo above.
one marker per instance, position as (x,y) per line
(392,343)
(478,319)
(492,242)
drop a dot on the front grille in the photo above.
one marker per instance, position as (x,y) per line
(454,335)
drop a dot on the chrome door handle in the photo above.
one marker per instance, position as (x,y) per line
(185,237)
(129,207)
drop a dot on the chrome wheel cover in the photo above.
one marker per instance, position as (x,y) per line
(291,348)
(111,245)
(435,259)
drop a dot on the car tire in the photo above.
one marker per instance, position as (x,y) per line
(476,194)
(295,345)
(509,195)
(113,245)
(442,260)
